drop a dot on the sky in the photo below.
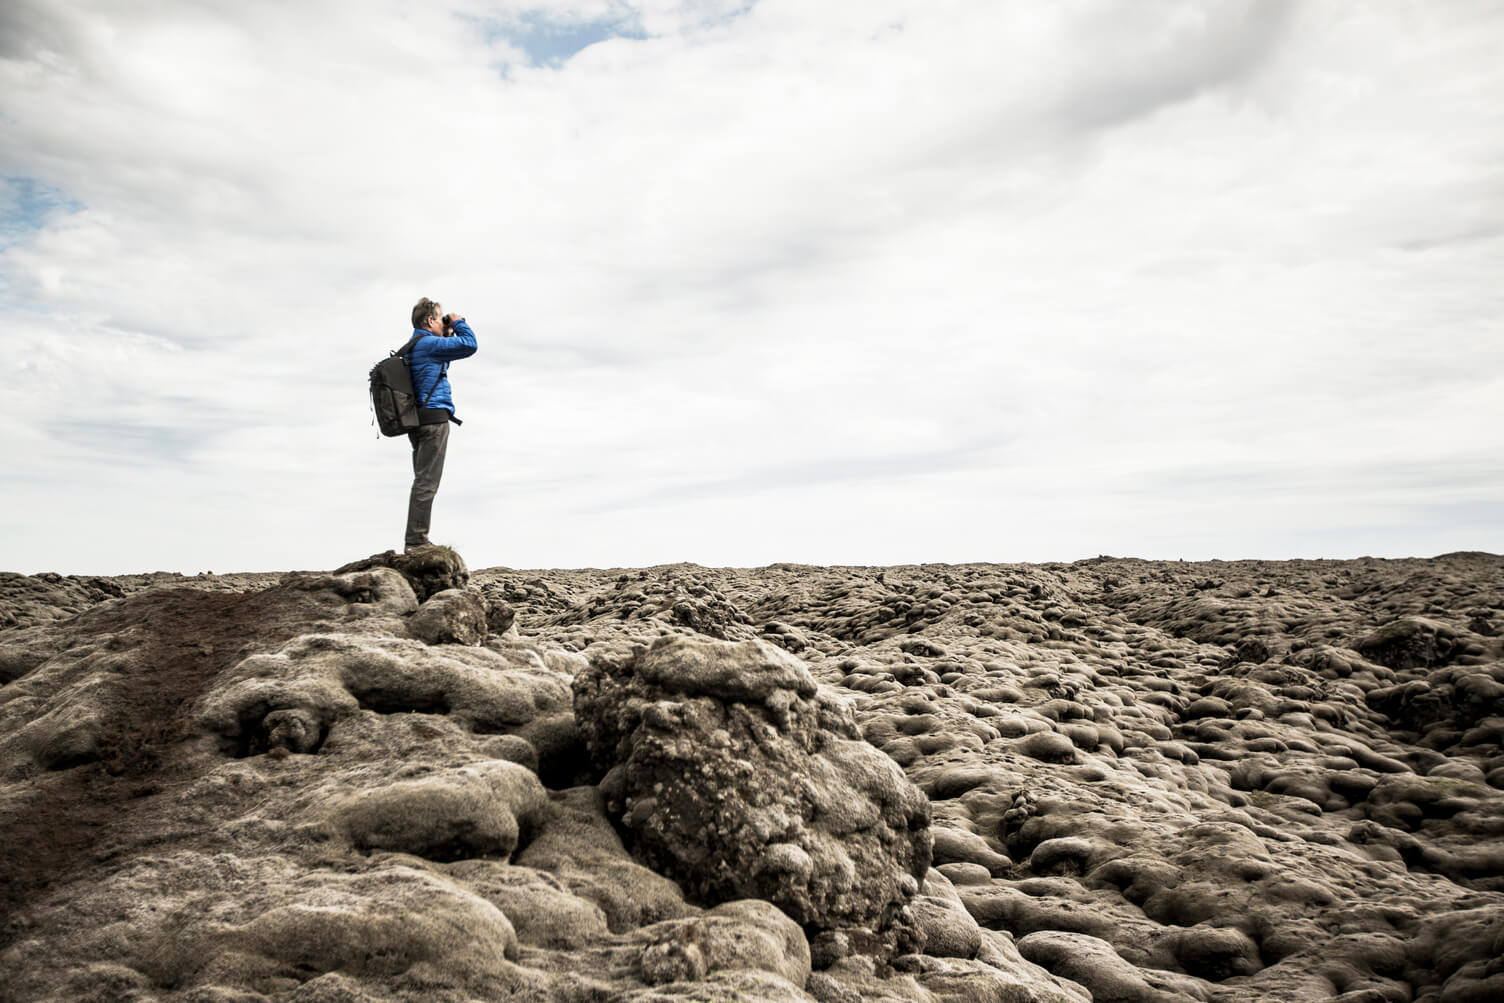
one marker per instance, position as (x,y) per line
(850,282)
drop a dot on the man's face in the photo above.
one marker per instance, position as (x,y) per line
(436,320)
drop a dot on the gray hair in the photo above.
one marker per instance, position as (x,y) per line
(424,311)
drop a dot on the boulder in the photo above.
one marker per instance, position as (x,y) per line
(501,616)
(1091,962)
(1410,643)
(471,811)
(429,570)
(740,777)
(454,616)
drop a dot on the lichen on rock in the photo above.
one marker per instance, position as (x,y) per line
(428,569)
(741,777)
(453,616)
(473,811)
(1157,780)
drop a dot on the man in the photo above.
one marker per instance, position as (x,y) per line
(441,340)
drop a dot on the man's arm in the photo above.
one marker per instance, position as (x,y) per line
(459,345)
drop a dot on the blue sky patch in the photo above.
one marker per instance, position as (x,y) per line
(26,205)
(552,44)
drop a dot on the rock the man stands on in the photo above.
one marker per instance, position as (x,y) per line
(442,340)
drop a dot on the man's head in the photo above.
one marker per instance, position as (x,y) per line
(428,316)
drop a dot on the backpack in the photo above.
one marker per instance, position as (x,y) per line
(393,398)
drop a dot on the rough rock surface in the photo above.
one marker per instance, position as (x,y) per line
(1145,781)
(27,600)
(453,616)
(741,777)
(428,569)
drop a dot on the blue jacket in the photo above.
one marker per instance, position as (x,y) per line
(426,361)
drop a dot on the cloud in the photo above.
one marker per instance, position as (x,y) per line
(1018,271)
(1186,50)
(130,444)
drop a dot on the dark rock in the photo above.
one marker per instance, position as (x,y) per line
(500,615)
(1215,953)
(293,729)
(1410,643)
(429,570)
(1251,649)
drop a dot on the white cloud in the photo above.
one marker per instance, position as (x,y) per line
(846,281)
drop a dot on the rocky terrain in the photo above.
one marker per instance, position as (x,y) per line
(1113,780)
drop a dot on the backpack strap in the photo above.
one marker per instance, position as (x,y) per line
(444,369)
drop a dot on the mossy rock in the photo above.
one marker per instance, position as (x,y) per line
(1266,800)
(429,569)
(1410,643)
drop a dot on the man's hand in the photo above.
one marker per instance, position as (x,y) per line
(450,319)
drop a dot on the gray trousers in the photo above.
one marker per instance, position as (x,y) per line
(429,444)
